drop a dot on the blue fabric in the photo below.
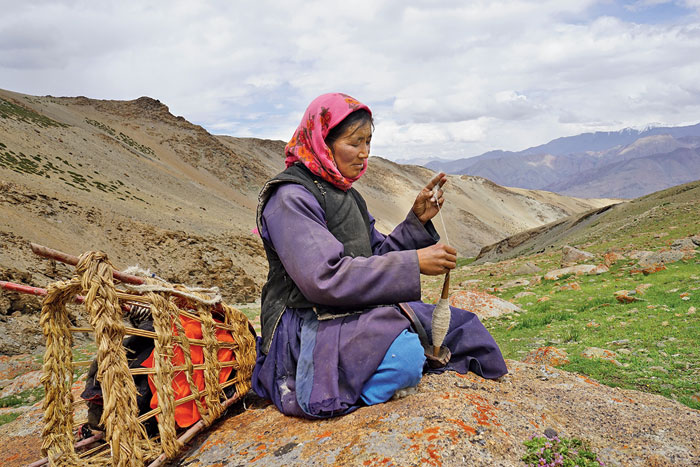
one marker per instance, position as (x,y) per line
(402,367)
(305,364)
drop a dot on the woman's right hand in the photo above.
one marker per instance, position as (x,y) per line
(437,259)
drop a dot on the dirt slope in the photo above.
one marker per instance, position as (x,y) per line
(151,189)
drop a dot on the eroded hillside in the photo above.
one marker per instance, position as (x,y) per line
(151,189)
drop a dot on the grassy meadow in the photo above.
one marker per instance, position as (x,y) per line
(655,339)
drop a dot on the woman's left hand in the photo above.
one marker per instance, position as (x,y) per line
(424,206)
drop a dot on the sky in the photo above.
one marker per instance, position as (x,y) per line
(444,78)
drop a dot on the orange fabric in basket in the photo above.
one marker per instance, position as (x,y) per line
(186,414)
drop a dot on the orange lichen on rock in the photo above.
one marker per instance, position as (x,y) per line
(623,296)
(547,355)
(434,457)
(587,380)
(463,425)
(485,412)
(610,258)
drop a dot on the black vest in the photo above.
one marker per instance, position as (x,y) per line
(346,218)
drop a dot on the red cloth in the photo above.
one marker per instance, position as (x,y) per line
(308,143)
(187,414)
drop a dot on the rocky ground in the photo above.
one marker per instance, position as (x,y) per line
(451,420)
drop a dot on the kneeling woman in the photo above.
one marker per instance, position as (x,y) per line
(333,335)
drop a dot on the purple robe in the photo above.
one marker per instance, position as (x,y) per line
(317,368)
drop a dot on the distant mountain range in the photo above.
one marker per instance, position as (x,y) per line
(621,164)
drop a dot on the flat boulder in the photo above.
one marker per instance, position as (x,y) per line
(660,258)
(601,354)
(684,244)
(464,420)
(450,420)
(527,268)
(581,269)
(549,355)
(482,304)
(571,256)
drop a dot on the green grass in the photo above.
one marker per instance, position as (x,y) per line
(23,114)
(27,397)
(253,314)
(563,452)
(55,166)
(126,139)
(655,338)
(9,417)
(464,261)
(660,354)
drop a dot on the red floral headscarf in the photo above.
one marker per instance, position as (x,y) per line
(308,145)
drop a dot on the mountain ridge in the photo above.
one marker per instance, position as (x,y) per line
(559,164)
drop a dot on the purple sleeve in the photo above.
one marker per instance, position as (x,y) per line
(410,234)
(295,224)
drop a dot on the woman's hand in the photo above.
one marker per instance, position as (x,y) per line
(424,206)
(437,259)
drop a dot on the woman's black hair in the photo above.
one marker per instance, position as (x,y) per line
(358,117)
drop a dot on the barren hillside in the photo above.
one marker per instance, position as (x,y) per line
(150,188)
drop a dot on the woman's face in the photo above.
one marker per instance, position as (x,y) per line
(351,149)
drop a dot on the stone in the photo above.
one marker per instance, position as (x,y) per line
(549,355)
(660,258)
(625,296)
(462,420)
(451,420)
(469,283)
(612,257)
(21,383)
(482,304)
(601,354)
(515,283)
(524,293)
(642,288)
(570,286)
(571,255)
(588,269)
(683,244)
(527,268)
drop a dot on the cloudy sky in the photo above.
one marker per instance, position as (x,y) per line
(444,78)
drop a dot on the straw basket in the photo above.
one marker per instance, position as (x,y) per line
(216,360)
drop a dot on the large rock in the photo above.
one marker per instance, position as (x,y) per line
(465,420)
(660,258)
(484,305)
(576,270)
(451,420)
(527,268)
(684,244)
(571,256)
(547,355)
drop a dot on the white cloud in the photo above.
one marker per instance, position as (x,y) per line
(449,78)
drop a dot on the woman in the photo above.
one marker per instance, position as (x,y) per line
(333,335)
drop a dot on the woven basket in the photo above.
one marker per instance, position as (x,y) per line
(108,308)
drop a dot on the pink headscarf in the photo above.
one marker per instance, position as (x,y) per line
(308,145)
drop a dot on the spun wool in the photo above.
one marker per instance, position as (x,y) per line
(441,314)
